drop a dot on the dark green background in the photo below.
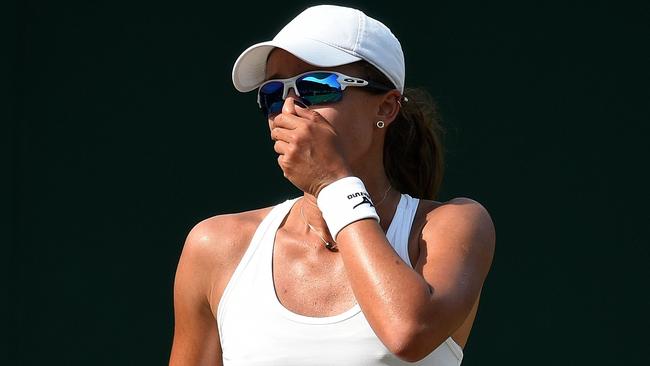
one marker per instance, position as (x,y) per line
(121,130)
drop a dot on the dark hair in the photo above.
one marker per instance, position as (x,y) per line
(413,151)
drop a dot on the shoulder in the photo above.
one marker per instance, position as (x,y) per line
(213,248)
(461,224)
(462,213)
(221,235)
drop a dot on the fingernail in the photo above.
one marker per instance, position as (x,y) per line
(299,103)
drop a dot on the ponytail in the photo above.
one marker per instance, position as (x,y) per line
(413,151)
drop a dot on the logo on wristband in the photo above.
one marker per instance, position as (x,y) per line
(364,195)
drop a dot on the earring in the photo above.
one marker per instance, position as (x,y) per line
(380,124)
(403,98)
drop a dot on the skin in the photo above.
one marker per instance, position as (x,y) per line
(451,243)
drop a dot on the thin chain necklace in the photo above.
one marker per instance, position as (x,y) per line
(385,195)
(327,244)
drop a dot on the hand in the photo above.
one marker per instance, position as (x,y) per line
(309,148)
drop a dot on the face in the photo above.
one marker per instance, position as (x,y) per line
(353,117)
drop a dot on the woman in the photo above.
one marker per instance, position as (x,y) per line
(356,271)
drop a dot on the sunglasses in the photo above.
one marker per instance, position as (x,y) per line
(313,88)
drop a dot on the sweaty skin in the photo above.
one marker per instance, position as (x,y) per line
(451,244)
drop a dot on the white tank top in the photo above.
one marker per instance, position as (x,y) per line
(257,330)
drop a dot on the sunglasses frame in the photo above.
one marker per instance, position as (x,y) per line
(342,79)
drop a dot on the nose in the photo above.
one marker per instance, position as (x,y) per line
(296,99)
(292,93)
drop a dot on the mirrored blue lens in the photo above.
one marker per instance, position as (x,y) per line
(319,88)
(271,97)
(314,88)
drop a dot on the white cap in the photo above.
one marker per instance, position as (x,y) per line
(326,36)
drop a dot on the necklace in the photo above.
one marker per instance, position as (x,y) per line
(328,245)
(385,195)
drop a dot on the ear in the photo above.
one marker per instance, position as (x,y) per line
(388,107)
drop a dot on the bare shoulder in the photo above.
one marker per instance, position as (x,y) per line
(219,237)
(461,215)
(214,247)
(461,225)
(211,252)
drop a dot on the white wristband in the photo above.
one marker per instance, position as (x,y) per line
(344,202)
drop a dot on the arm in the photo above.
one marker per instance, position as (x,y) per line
(414,311)
(196,339)
(411,311)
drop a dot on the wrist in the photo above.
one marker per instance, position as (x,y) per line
(335,176)
(343,202)
(343,173)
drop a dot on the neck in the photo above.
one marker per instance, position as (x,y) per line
(383,196)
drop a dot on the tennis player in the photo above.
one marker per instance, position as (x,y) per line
(363,268)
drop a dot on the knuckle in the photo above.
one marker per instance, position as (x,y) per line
(315,116)
(298,135)
(310,129)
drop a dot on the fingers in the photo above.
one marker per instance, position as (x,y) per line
(281,134)
(286,120)
(281,147)
(288,126)
(304,112)
(298,108)
(294,108)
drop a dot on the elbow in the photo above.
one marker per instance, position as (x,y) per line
(407,352)
(412,343)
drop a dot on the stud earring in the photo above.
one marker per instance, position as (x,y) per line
(380,124)
(403,98)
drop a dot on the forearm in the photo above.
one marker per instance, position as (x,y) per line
(395,299)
